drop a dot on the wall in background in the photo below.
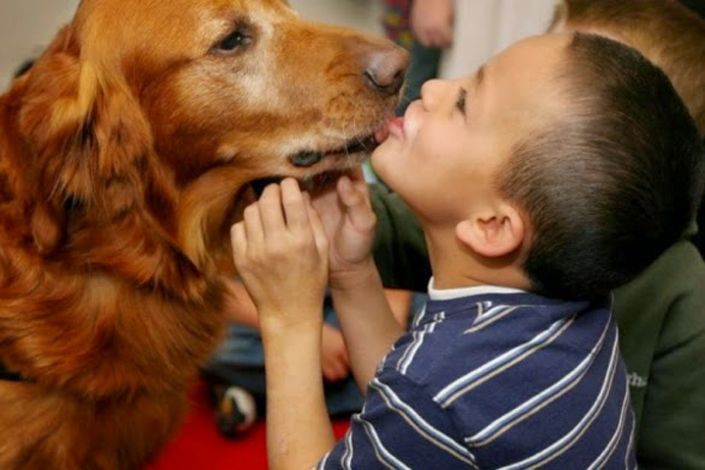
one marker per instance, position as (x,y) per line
(360,14)
(27,26)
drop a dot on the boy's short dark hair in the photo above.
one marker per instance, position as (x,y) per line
(614,181)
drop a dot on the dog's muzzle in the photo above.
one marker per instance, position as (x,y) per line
(308,158)
(305,159)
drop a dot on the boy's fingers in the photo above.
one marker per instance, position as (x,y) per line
(238,241)
(319,231)
(346,191)
(270,204)
(363,188)
(357,204)
(253,224)
(354,184)
(294,207)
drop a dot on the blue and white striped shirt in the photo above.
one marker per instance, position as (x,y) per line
(496,378)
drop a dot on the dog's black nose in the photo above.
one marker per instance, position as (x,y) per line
(386,69)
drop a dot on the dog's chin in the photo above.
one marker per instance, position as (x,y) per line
(352,149)
(313,181)
(317,170)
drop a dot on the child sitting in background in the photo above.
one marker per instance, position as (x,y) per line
(554,174)
(235,373)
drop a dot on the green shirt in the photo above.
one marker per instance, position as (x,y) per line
(661,318)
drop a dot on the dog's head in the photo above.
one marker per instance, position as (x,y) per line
(256,86)
(144,120)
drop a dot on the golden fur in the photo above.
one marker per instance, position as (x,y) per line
(123,155)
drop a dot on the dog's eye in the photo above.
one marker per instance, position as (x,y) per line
(236,40)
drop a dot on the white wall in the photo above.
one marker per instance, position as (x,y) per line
(26,26)
(361,14)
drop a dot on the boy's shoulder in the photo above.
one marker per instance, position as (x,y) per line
(451,338)
(494,359)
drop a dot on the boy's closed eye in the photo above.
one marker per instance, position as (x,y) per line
(460,102)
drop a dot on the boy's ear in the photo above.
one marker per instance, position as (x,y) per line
(494,232)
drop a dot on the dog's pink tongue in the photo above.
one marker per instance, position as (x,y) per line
(383,133)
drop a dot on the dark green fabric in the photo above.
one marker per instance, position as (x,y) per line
(661,318)
(400,247)
(699,238)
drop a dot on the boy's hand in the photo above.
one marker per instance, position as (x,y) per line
(281,253)
(432,22)
(349,223)
(335,363)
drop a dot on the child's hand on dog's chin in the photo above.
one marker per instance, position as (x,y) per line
(349,222)
(281,253)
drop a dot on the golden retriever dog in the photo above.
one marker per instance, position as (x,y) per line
(124,155)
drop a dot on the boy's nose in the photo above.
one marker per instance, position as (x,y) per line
(385,70)
(431,92)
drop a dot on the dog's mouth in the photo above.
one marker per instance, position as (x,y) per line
(313,183)
(309,158)
(349,156)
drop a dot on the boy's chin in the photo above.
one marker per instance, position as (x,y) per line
(384,160)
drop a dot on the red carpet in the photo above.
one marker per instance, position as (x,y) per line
(199,446)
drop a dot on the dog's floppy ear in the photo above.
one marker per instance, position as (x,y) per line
(96,175)
(83,134)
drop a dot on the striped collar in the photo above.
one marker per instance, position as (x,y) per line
(460,292)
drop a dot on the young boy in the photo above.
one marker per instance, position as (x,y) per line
(661,313)
(552,175)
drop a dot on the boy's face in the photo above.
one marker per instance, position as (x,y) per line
(443,156)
